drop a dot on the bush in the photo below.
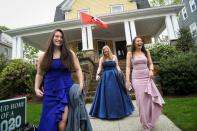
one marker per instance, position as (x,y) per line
(179,73)
(163,51)
(16,78)
(185,42)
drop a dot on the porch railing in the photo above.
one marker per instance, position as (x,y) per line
(151,45)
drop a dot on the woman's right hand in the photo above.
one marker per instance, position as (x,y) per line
(39,93)
(97,77)
(128,85)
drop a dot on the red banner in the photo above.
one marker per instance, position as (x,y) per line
(88,19)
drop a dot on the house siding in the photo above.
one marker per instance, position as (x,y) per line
(104,7)
(192,16)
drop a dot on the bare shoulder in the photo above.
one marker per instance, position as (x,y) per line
(40,57)
(148,51)
(114,56)
(129,54)
(72,52)
(101,58)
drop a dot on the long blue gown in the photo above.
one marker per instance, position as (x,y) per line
(57,83)
(110,101)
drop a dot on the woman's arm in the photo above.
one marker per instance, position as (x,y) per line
(150,65)
(78,70)
(117,65)
(39,78)
(128,69)
(99,68)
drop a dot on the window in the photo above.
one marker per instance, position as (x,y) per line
(5,52)
(192,5)
(116,8)
(193,29)
(100,44)
(79,46)
(184,13)
(83,10)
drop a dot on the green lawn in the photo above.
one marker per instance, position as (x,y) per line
(34,113)
(183,112)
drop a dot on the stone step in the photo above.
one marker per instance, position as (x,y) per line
(89,99)
(92,89)
(90,93)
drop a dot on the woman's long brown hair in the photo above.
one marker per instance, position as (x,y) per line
(143,48)
(66,55)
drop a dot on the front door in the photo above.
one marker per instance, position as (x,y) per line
(100,44)
(121,49)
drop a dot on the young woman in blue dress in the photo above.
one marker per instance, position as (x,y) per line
(110,101)
(56,65)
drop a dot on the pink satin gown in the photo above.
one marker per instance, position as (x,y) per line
(148,98)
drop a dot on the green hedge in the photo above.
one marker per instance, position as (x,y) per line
(163,51)
(179,73)
(16,78)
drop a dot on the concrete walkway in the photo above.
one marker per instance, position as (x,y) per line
(130,123)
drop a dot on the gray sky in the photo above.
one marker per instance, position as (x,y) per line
(22,13)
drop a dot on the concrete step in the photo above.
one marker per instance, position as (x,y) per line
(89,99)
(90,93)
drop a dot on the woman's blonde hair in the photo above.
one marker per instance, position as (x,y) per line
(110,53)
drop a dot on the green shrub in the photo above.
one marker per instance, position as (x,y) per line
(179,73)
(16,78)
(163,51)
(185,42)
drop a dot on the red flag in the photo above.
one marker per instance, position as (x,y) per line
(88,19)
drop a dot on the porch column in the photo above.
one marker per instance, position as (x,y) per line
(156,40)
(90,40)
(87,42)
(133,29)
(130,31)
(84,38)
(17,48)
(127,32)
(169,27)
(175,25)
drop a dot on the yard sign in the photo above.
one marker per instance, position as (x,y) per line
(12,114)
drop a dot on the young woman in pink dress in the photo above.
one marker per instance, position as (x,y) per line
(148,98)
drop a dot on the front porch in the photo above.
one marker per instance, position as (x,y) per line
(123,27)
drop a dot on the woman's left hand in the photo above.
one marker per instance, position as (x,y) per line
(81,87)
(119,70)
(151,74)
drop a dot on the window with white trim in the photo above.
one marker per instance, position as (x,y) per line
(184,13)
(83,10)
(116,8)
(193,29)
(5,52)
(192,5)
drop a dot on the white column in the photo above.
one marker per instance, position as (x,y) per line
(175,25)
(133,29)
(89,36)
(169,27)
(127,32)
(84,38)
(17,48)
(156,39)
(14,48)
